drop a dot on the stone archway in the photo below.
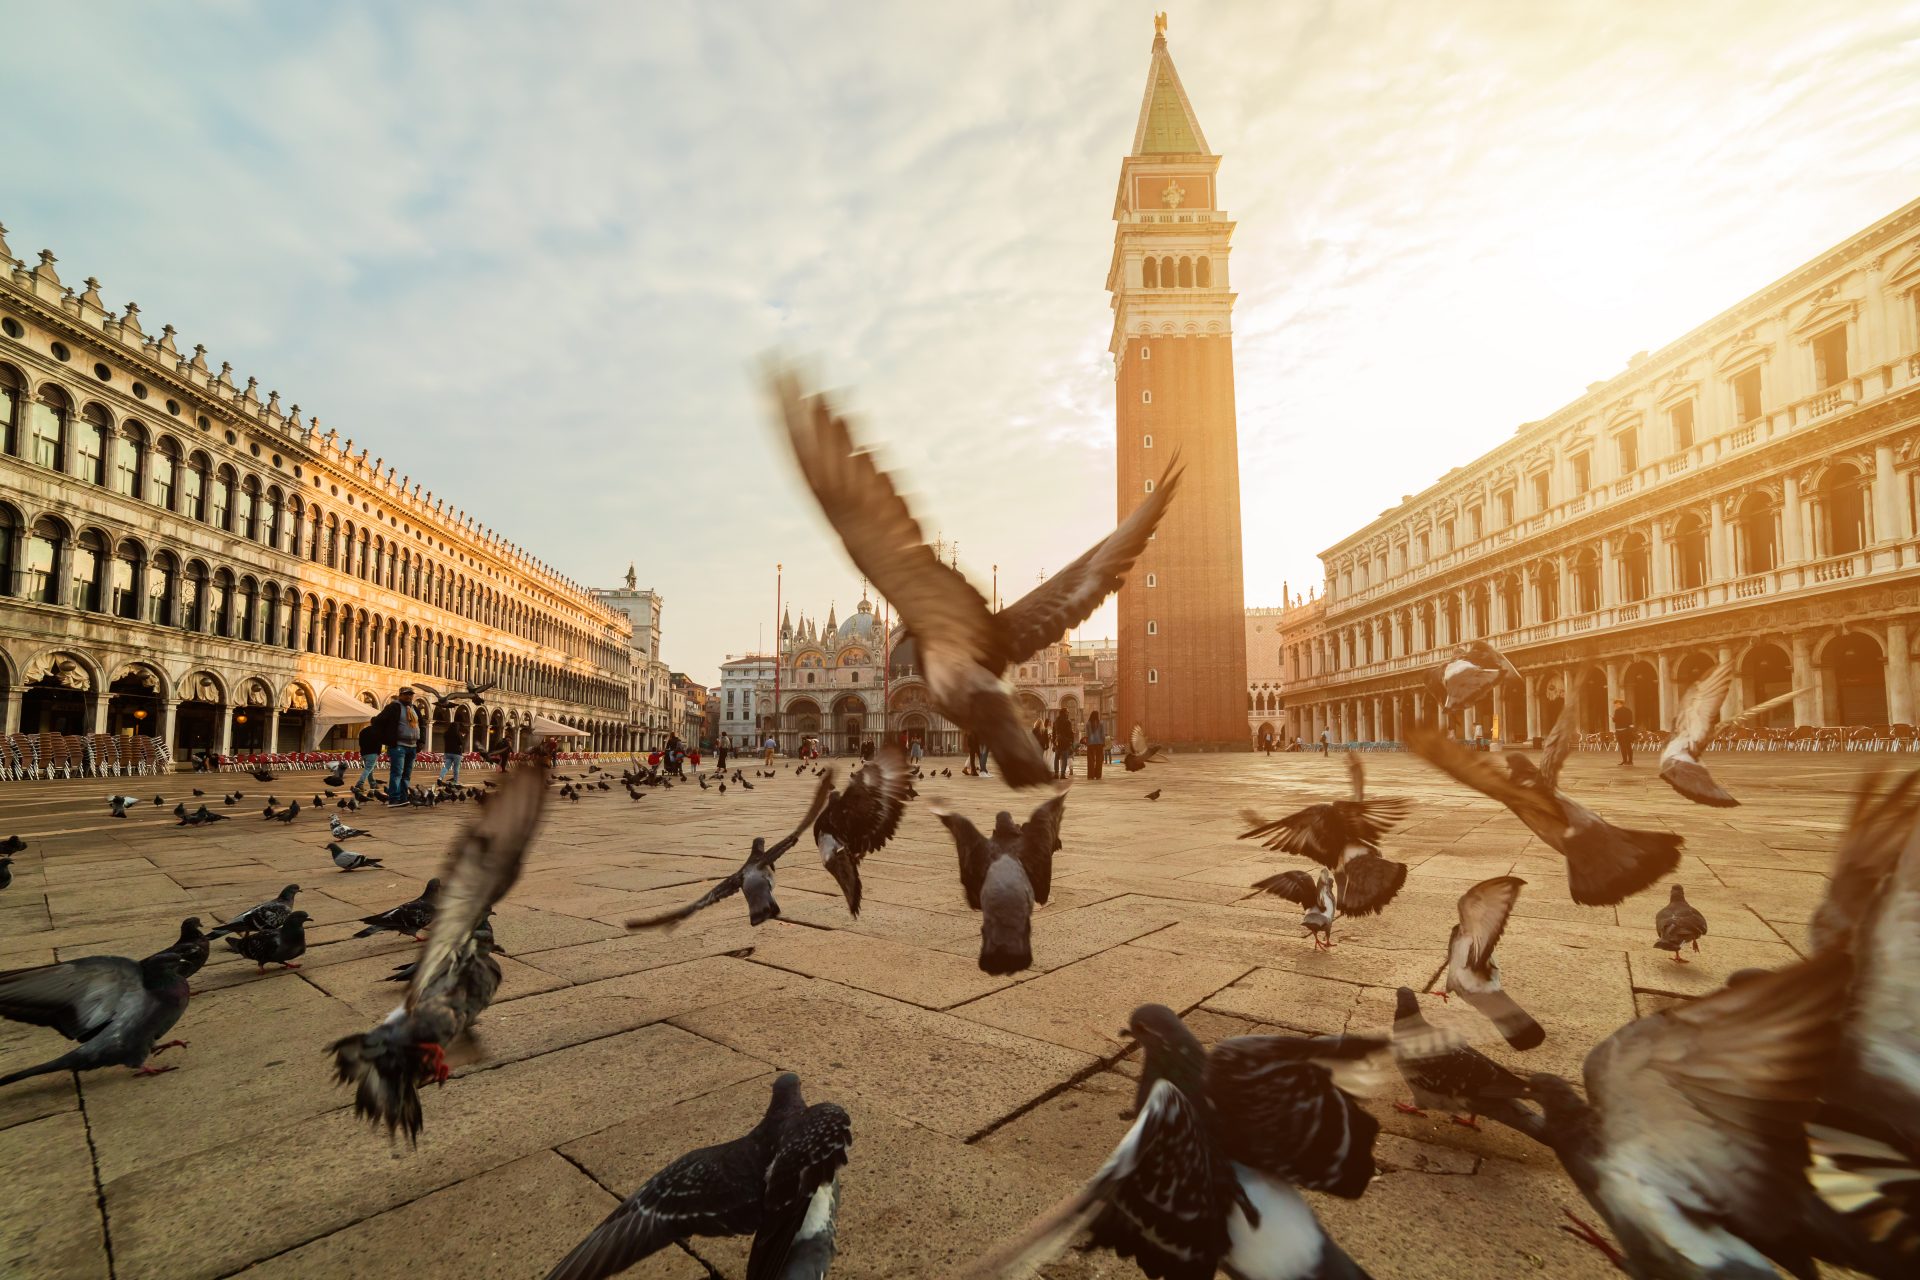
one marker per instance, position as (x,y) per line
(196,724)
(54,694)
(136,700)
(1854,671)
(1640,686)
(252,703)
(1767,672)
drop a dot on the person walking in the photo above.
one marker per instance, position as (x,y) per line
(452,750)
(914,752)
(1042,735)
(399,725)
(1064,741)
(1623,731)
(1326,741)
(770,748)
(1266,743)
(1096,747)
(369,757)
(720,752)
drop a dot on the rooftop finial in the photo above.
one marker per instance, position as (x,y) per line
(1160,26)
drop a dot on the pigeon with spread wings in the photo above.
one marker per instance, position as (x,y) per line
(1475,669)
(857,821)
(1323,831)
(1003,875)
(754,879)
(1318,893)
(1605,863)
(456,976)
(1140,753)
(1469,967)
(964,646)
(1693,730)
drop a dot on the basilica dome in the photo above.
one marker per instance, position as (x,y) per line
(859,625)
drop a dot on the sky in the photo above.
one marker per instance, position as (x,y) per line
(533,255)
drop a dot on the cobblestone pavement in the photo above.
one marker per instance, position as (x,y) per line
(976,1100)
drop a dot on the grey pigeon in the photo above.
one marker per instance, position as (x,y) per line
(1364,882)
(1323,831)
(796,1237)
(1469,967)
(268,915)
(12,845)
(1693,728)
(1139,753)
(341,831)
(120,804)
(1003,875)
(861,819)
(1605,863)
(720,1190)
(348,860)
(116,1008)
(1175,1195)
(281,945)
(411,916)
(754,879)
(191,946)
(1476,668)
(1678,923)
(1458,1078)
(1318,893)
(963,647)
(456,976)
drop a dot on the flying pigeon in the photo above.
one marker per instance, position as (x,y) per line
(1003,875)
(1460,1079)
(410,917)
(1693,729)
(1318,893)
(456,975)
(1154,794)
(113,1007)
(1323,831)
(861,819)
(470,693)
(1474,669)
(281,945)
(338,778)
(1139,754)
(754,878)
(1691,1139)
(1605,863)
(341,831)
(720,1190)
(348,860)
(268,915)
(1365,882)
(796,1238)
(1469,967)
(1678,923)
(1177,1196)
(121,804)
(964,648)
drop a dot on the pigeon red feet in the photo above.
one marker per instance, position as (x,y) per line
(171,1044)
(1680,959)
(433,1062)
(289,964)
(152,1071)
(1443,995)
(1582,1230)
(1408,1109)
(419,937)
(1696,944)
(1471,1122)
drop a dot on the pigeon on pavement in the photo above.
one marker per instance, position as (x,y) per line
(12,845)
(348,860)
(1003,875)
(1474,669)
(191,946)
(1691,1140)
(338,778)
(287,814)
(754,879)
(1174,1196)
(720,1190)
(1678,923)
(796,1237)
(1154,794)
(259,775)
(1139,753)
(1469,967)
(410,917)
(114,1007)
(341,831)
(456,976)
(1605,863)
(964,648)
(282,945)
(6,870)
(1693,729)
(268,915)
(861,819)
(1459,1078)
(1318,893)
(120,804)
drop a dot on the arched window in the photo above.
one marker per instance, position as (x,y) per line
(1635,562)
(1843,512)
(1167,273)
(1186,273)
(1690,553)
(126,580)
(163,577)
(221,609)
(249,609)
(193,597)
(89,551)
(333,542)
(166,469)
(47,428)
(1754,542)
(13,390)
(130,460)
(193,487)
(346,547)
(271,531)
(220,499)
(270,614)
(9,527)
(246,510)
(1150,274)
(1203,273)
(43,553)
(90,445)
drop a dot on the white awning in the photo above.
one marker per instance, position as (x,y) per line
(545,728)
(340,708)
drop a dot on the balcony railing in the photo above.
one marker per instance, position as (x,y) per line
(1678,462)
(1683,600)
(1742,436)
(1833,570)
(1748,588)
(1628,613)
(1623,486)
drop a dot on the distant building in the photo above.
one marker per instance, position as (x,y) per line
(654,716)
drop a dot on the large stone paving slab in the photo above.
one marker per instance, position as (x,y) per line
(977,1101)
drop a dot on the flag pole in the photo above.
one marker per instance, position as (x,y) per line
(778,570)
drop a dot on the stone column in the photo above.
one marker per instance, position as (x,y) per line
(1609,588)
(226,730)
(97,710)
(1529,602)
(1717,559)
(1662,572)
(1791,550)
(1807,707)
(1737,695)
(1899,675)
(273,730)
(1663,667)
(1373,725)
(1466,618)
(11,701)
(1887,515)
(1531,693)
(166,723)
(1613,683)
(1419,707)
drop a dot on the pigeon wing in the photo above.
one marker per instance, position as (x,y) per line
(429,690)
(1070,596)
(813,1149)
(869,810)
(1471,768)
(1316,832)
(975,853)
(1699,716)
(1483,916)
(1294,886)
(1283,1114)
(1482,654)
(698,1194)
(1878,828)
(483,864)
(1368,883)
(821,794)
(1558,746)
(719,893)
(1039,840)
(77,998)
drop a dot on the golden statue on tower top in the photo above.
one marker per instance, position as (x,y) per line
(1160,25)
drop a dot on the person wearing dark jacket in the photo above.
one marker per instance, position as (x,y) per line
(1096,747)
(369,756)
(1623,731)
(451,750)
(1064,741)
(400,730)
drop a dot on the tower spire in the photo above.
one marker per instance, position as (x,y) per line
(1168,125)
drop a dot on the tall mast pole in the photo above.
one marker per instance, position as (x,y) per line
(778,569)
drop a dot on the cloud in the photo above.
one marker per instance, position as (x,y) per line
(530,256)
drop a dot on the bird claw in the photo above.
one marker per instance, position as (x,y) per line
(1584,1231)
(171,1044)
(153,1071)
(1471,1122)
(433,1062)
(1445,996)
(1408,1109)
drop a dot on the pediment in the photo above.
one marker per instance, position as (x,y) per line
(1741,355)
(1907,275)
(1825,314)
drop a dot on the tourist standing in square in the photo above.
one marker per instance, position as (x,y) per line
(399,725)
(1623,731)
(1096,747)
(454,748)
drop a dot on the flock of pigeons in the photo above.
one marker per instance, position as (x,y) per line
(1776,1121)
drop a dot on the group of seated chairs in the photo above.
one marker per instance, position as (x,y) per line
(1806,737)
(72,755)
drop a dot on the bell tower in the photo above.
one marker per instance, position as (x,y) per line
(1182,624)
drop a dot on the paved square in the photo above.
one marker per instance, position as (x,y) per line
(977,1101)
